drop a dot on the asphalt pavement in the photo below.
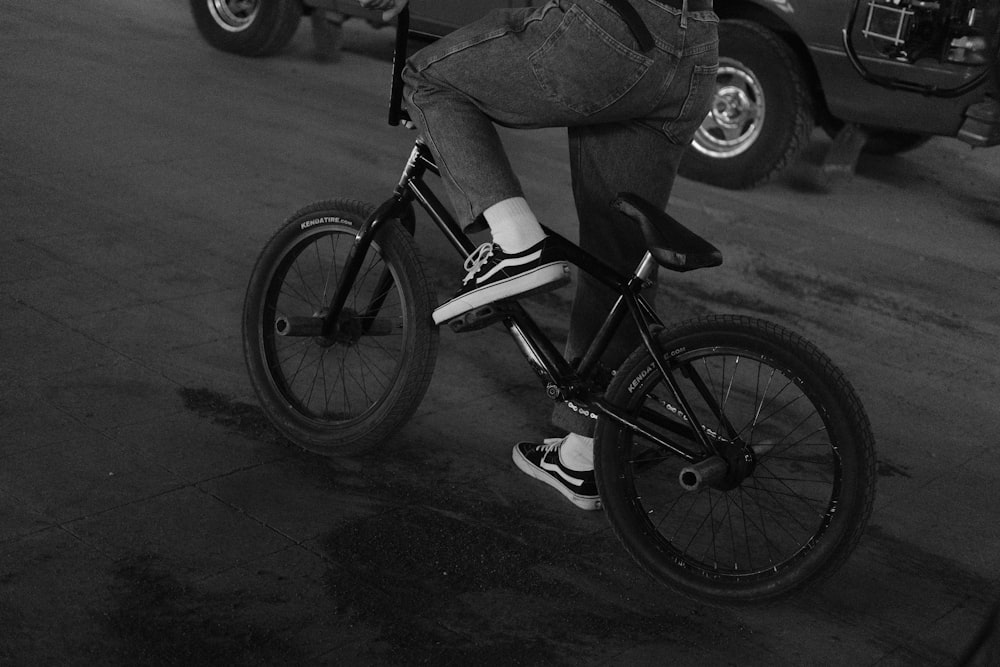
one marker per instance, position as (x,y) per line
(150,515)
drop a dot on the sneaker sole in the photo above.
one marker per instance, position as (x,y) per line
(545,278)
(527,467)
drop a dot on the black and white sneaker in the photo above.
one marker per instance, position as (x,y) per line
(494,275)
(542,462)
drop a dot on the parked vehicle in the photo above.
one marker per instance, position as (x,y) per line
(264,27)
(900,71)
(892,72)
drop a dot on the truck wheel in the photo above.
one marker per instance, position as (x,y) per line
(247,27)
(762,114)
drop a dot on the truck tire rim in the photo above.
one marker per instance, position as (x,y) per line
(735,120)
(233,15)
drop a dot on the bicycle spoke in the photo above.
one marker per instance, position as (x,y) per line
(345,378)
(309,296)
(776,497)
(332,270)
(773,408)
(776,511)
(296,293)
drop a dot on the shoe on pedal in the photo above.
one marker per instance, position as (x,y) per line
(493,275)
(541,461)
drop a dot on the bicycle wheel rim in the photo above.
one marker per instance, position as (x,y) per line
(344,380)
(750,531)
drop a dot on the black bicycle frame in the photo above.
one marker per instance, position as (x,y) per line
(562,381)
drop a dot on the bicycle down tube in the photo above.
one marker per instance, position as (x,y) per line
(562,381)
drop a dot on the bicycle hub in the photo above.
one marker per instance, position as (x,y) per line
(724,472)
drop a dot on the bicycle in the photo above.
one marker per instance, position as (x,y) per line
(734,461)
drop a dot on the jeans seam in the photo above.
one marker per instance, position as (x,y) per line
(467,44)
(704,47)
(489,36)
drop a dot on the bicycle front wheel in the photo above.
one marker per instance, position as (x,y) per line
(347,391)
(799,474)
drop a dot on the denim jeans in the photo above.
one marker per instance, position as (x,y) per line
(574,64)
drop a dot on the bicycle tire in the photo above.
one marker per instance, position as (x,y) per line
(801,510)
(348,392)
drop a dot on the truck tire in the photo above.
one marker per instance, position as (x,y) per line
(247,27)
(762,114)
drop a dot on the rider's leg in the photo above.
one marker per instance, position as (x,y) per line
(480,181)
(604,161)
(564,64)
(640,157)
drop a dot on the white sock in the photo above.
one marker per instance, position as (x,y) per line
(514,227)
(577,452)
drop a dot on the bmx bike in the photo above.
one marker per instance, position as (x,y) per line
(734,461)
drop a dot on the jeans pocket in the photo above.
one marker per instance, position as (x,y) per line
(694,106)
(585,68)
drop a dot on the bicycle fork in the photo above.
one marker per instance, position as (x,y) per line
(397,207)
(325,323)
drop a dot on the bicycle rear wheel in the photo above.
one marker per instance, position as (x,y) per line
(799,454)
(352,389)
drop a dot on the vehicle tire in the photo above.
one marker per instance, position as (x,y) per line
(346,392)
(787,520)
(247,27)
(893,142)
(762,114)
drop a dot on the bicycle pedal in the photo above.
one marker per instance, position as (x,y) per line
(480,318)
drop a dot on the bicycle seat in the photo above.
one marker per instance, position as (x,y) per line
(671,244)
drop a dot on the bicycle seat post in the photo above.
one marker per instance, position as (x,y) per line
(646,269)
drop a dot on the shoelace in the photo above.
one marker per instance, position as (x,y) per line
(550,445)
(476,260)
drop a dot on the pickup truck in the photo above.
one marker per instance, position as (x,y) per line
(878,75)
